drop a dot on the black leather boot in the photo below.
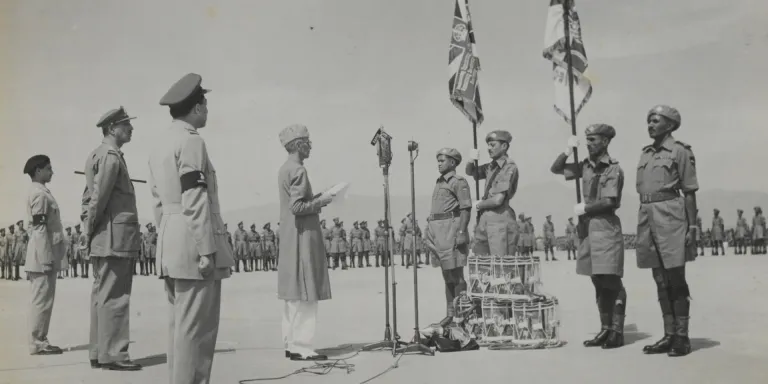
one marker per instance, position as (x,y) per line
(663,345)
(681,345)
(602,336)
(616,337)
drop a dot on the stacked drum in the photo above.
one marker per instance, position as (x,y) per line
(504,303)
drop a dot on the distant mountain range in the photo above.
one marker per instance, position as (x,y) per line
(537,200)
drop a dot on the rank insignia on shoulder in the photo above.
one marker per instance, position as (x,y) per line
(39,219)
(191,180)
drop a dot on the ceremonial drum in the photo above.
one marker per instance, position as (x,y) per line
(504,277)
(514,324)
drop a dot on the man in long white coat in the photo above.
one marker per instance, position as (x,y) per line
(302,275)
(44,254)
(192,247)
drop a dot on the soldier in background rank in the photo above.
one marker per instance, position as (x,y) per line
(9,248)
(111,222)
(382,243)
(367,246)
(84,257)
(419,239)
(48,246)
(326,241)
(74,244)
(407,236)
(269,246)
(447,235)
(192,247)
(699,235)
(20,248)
(3,251)
(229,236)
(741,232)
(255,255)
(241,247)
(549,238)
(501,176)
(666,224)
(601,247)
(338,245)
(758,232)
(152,251)
(67,260)
(570,238)
(356,249)
(718,233)
(520,236)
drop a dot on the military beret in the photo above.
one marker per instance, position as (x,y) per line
(265,226)
(549,216)
(604,130)
(240,223)
(739,211)
(20,222)
(149,225)
(716,210)
(114,116)
(450,152)
(35,162)
(570,219)
(10,226)
(187,88)
(322,221)
(2,230)
(499,136)
(69,228)
(355,223)
(253,225)
(293,132)
(666,111)
(363,222)
(77,226)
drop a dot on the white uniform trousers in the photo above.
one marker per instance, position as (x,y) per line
(299,323)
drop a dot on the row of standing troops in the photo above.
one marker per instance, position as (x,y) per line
(257,252)
(739,237)
(13,248)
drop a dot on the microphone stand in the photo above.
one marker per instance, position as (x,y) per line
(415,346)
(382,142)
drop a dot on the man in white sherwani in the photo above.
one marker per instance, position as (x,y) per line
(45,251)
(302,274)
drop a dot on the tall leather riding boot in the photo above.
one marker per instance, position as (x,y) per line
(351,260)
(344,262)
(681,344)
(663,345)
(377,256)
(602,336)
(367,260)
(16,272)
(616,337)
(3,268)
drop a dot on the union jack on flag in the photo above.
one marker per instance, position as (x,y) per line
(463,65)
(554,50)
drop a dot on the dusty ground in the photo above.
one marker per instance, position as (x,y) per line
(729,314)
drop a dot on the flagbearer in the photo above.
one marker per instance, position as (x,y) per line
(601,250)
(496,229)
(447,235)
(666,224)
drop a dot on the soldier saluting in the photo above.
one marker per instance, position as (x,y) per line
(193,253)
(601,246)
(667,224)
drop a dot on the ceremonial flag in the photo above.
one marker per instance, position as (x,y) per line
(555,51)
(463,65)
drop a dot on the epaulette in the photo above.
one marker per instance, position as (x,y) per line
(647,147)
(686,146)
(459,177)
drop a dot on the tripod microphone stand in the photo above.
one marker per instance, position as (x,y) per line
(415,346)
(382,142)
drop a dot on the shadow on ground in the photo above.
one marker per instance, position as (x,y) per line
(632,335)
(162,358)
(703,343)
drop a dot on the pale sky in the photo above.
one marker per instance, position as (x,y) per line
(367,63)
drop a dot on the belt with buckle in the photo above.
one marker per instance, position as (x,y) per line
(655,197)
(444,216)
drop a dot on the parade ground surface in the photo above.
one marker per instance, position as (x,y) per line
(728,331)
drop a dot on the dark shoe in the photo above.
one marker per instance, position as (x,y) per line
(616,337)
(299,357)
(663,345)
(681,345)
(95,364)
(289,355)
(49,350)
(599,339)
(126,365)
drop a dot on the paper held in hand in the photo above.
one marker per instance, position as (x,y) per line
(338,191)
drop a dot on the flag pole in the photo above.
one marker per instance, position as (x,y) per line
(569,61)
(477,181)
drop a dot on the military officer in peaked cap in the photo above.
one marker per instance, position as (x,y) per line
(601,247)
(302,274)
(113,238)
(447,237)
(495,231)
(192,248)
(667,185)
(47,247)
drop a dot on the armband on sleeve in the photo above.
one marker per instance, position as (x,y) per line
(191,180)
(39,219)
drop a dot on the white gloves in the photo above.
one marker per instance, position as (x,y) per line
(573,142)
(579,209)
(474,154)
